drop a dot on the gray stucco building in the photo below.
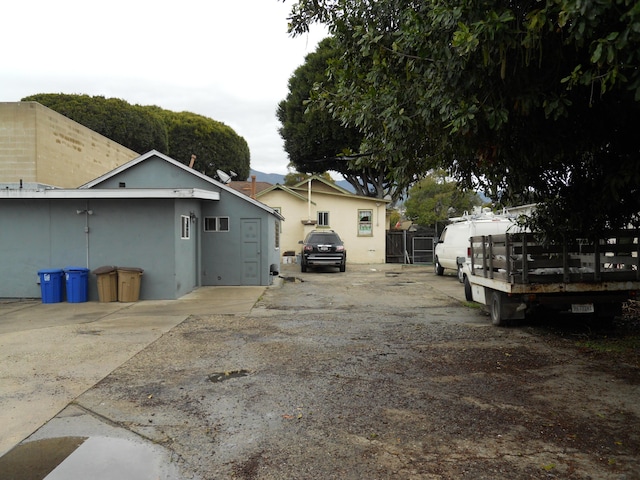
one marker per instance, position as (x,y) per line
(183,228)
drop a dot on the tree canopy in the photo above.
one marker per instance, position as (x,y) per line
(434,199)
(145,128)
(534,101)
(317,142)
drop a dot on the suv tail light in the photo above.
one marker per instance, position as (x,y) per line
(339,248)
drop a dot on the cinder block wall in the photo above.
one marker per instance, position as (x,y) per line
(38,145)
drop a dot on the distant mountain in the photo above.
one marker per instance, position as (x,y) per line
(274,178)
(267,177)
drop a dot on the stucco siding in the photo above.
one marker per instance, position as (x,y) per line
(222,255)
(343,218)
(156,173)
(121,232)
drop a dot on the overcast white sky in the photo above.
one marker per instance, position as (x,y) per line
(229,60)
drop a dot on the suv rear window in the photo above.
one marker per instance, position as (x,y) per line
(323,238)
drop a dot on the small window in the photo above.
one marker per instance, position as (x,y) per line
(323,219)
(185,232)
(216,224)
(365,228)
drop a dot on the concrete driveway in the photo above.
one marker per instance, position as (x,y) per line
(52,353)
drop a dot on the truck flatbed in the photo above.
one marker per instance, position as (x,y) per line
(514,273)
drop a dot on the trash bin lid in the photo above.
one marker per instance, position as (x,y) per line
(76,269)
(104,269)
(131,269)
(50,270)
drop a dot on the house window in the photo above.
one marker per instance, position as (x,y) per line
(216,224)
(185,231)
(323,219)
(364,223)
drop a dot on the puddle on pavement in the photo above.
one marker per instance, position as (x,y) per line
(222,376)
(98,458)
(35,460)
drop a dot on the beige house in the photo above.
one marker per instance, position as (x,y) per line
(41,146)
(317,204)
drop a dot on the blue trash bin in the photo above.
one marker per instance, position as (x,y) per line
(51,285)
(77,280)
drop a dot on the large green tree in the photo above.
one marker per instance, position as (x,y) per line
(216,145)
(533,100)
(145,128)
(435,199)
(317,142)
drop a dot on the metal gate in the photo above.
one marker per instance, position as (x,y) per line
(423,248)
(408,247)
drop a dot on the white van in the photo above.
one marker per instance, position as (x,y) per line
(452,248)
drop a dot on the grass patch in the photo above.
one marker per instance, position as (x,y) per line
(620,345)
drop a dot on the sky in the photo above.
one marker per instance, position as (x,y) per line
(229,60)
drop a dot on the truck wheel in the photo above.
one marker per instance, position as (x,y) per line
(467,290)
(496,309)
(303,267)
(460,273)
(437,268)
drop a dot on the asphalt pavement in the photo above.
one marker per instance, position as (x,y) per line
(50,354)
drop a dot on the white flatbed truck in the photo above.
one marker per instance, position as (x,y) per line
(514,275)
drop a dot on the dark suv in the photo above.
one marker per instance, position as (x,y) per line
(323,247)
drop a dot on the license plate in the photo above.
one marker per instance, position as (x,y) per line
(582,308)
(323,249)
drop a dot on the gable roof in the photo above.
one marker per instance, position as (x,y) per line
(337,190)
(285,189)
(186,168)
(318,178)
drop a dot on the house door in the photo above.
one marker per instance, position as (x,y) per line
(251,251)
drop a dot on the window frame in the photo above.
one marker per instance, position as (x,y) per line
(325,219)
(218,221)
(185,227)
(365,227)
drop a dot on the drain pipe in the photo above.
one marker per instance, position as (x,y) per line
(309,201)
(86,231)
(86,212)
